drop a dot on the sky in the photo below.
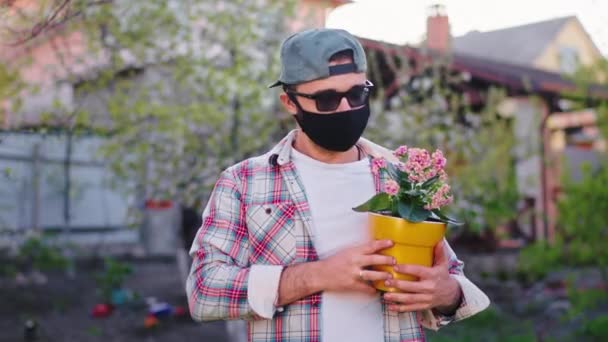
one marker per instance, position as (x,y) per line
(404,21)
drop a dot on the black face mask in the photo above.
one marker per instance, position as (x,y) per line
(334,132)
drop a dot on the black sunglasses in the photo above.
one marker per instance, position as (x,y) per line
(329,100)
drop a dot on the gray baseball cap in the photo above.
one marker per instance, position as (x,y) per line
(305,56)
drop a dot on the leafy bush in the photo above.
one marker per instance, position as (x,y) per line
(113,277)
(39,254)
(596,328)
(537,260)
(584,299)
(582,218)
(583,228)
(7,267)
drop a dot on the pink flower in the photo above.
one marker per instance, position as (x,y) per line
(419,158)
(440,198)
(418,162)
(438,160)
(400,151)
(391,187)
(415,178)
(377,164)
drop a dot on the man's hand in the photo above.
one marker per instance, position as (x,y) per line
(346,270)
(343,271)
(435,288)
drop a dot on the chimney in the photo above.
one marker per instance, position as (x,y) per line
(438,29)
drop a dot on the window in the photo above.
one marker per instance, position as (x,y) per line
(568,59)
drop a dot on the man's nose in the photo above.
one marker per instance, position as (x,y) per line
(344,105)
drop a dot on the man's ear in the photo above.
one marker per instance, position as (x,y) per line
(288,104)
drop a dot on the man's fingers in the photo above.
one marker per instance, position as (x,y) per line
(408,308)
(365,288)
(377,259)
(408,302)
(411,286)
(367,275)
(440,256)
(375,246)
(421,272)
(409,298)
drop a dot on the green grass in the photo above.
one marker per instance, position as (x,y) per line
(596,329)
(493,325)
(488,326)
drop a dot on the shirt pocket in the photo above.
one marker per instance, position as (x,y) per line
(271,233)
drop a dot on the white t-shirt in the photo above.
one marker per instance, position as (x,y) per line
(332,191)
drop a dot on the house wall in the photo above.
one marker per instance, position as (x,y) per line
(572,35)
(312,13)
(526,129)
(33,187)
(527,117)
(48,66)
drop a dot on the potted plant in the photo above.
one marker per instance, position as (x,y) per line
(409,209)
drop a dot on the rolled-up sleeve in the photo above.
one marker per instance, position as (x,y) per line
(474,300)
(264,289)
(217,286)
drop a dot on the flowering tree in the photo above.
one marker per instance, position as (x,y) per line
(177,88)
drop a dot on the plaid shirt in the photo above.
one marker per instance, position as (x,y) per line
(258,215)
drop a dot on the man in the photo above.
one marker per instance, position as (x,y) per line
(280,245)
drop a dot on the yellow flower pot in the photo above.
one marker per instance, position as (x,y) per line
(414,243)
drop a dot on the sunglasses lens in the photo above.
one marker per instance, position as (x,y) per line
(357,96)
(328,101)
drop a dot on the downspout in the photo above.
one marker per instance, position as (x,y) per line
(543,172)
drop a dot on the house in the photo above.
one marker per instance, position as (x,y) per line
(532,63)
(313,13)
(557,45)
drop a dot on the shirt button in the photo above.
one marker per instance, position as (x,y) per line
(280,309)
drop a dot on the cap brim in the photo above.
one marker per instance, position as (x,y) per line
(275,84)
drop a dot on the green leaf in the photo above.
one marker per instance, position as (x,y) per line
(394,209)
(379,202)
(414,192)
(430,181)
(446,218)
(394,172)
(404,183)
(399,176)
(412,212)
(404,208)
(435,216)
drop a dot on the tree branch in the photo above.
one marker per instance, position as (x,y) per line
(58,16)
